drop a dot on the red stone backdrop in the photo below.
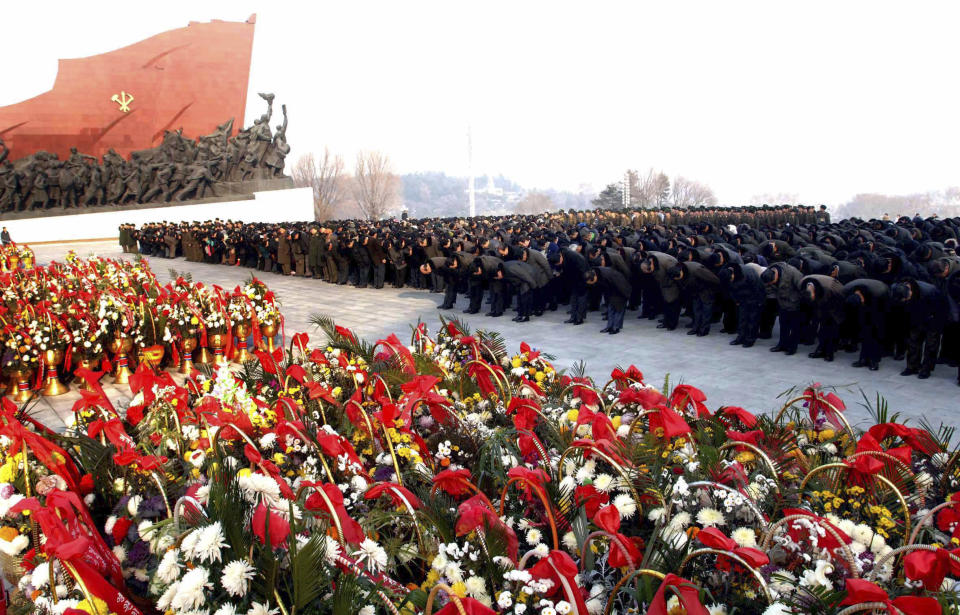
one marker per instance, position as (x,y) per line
(194,77)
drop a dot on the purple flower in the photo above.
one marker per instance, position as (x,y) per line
(383,473)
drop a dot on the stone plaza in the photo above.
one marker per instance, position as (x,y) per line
(729,375)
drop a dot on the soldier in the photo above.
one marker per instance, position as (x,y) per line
(926,308)
(616,293)
(700,287)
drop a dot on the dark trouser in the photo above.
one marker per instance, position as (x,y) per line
(363,274)
(449,294)
(379,274)
(498,296)
(475,293)
(767,317)
(343,271)
(286,268)
(652,298)
(748,322)
(871,350)
(301,264)
(731,315)
(922,348)
(578,306)
(615,312)
(671,313)
(702,314)
(951,343)
(400,276)
(827,336)
(524,301)
(791,326)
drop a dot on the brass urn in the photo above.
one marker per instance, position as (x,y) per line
(51,383)
(241,331)
(120,347)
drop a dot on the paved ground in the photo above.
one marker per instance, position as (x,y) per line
(729,375)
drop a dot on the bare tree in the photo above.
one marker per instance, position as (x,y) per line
(534,203)
(688,193)
(325,177)
(375,187)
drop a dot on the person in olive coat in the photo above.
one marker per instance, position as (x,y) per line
(785,280)
(284,253)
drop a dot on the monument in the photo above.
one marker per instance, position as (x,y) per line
(124,100)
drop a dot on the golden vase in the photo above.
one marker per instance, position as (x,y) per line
(216,342)
(20,383)
(14,262)
(51,383)
(89,364)
(241,331)
(187,346)
(269,333)
(120,346)
(27,262)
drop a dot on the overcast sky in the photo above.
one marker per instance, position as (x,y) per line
(819,99)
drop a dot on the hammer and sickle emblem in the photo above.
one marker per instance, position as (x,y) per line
(123,99)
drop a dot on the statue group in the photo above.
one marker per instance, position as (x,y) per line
(178,169)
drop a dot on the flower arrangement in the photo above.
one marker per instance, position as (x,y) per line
(393,478)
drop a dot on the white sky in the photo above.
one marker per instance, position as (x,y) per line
(821,99)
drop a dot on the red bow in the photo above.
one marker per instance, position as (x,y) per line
(715,539)
(919,440)
(631,375)
(684,395)
(344,332)
(869,465)
(560,568)
(646,398)
(608,519)
(931,567)
(352,532)
(476,513)
(740,414)
(815,404)
(402,353)
(454,482)
(687,592)
(50,455)
(671,423)
(269,527)
(396,493)
(531,354)
(860,591)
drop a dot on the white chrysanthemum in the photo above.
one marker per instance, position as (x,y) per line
(146,531)
(709,517)
(717,609)
(262,609)
(570,541)
(541,550)
(227,608)
(744,536)
(133,504)
(878,543)
(846,526)
(210,543)
(373,554)
(332,551)
(439,562)
(777,608)
(367,610)
(862,534)
(655,514)
(681,520)
(454,572)
(120,553)
(189,543)
(267,440)
(236,577)
(15,546)
(169,568)
(257,487)
(534,536)
(476,587)
(625,505)
(194,587)
(603,482)
(163,603)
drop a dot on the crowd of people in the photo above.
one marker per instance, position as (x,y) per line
(880,287)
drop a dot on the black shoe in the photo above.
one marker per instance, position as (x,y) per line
(444,307)
(702,333)
(568,321)
(790,353)
(898,357)
(747,344)
(540,313)
(816,354)
(874,367)
(924,375)
(828,357)
(662,326)
(736,342)
(516,318)
(605,330)
(614,331)
(577,322)
(859,363)
(492,315)
(523,319)
(692,332)
(908,372)
(777,348)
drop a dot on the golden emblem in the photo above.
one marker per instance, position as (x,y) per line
(123,99)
